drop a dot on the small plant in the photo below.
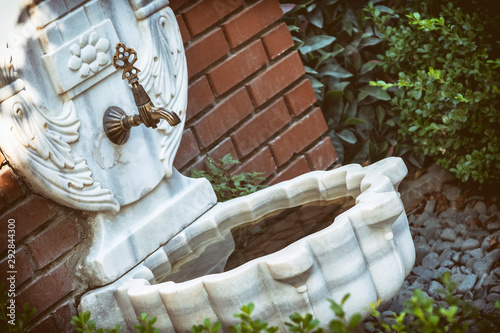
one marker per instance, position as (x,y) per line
(446,87)
(247,325)
(226,185)
(421,315)
(19,323)
(84,324)
(146,324)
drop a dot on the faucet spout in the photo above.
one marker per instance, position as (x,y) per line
(116,122)
(170,116)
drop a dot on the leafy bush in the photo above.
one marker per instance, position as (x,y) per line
(339,48)
(225,185)
(446,93)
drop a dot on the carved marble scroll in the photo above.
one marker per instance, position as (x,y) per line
(164,77)
(37,144)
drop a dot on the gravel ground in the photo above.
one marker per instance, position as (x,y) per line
(458,230)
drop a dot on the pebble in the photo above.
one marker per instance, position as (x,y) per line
(492,298)
(467,216)
(467,284)
(480,207)
(430,261)
(470,244)
(431,205)
(447,264)
(434,289)
(448,234)
(461,229)
(492,227)
(452,193)
(423,272)
(421,250)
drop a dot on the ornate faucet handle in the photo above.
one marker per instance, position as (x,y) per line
(124,58)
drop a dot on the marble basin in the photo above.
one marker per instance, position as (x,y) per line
(351,236)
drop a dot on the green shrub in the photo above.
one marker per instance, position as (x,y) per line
(225,185)
(446,92)
(339,49)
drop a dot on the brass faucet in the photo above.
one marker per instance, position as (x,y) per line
(116,122)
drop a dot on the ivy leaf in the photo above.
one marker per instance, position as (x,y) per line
(315,43)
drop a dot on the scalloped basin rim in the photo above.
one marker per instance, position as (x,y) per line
(367,252)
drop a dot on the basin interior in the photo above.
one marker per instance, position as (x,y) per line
(252,239)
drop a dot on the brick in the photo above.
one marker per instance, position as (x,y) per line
(48,289)
(322,155)
(261,127)
(22,267)
(8,185)
(29,215)
(298,136)
(183,29)
(300,97)
(277,41)
(54,241)
(222,149)
(276,78)
(261,162)
(206,51)
(47,325)
(62,317)
(176,4)
(188,149)
(237,68)
(295,169)
(199,97)
(223,117)
(251,21)
(206,13)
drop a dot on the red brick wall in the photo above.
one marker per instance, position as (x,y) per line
(247,92)
(247,96)
(47,239)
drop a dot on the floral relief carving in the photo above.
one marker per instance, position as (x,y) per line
(89,55)
(38,145)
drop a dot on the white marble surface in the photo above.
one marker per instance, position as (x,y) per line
(366,252)
(62,81)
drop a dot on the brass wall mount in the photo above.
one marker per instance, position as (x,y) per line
(116,122)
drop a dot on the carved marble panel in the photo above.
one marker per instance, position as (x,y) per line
(65,67)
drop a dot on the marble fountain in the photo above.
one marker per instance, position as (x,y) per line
(71,126)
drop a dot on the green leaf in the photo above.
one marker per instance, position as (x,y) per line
(347,136)
(384,9)
(353,121)
(337,326)
(316,17)
(373,91)
(316,43)
(368,66)
(335,70)
(355,320)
